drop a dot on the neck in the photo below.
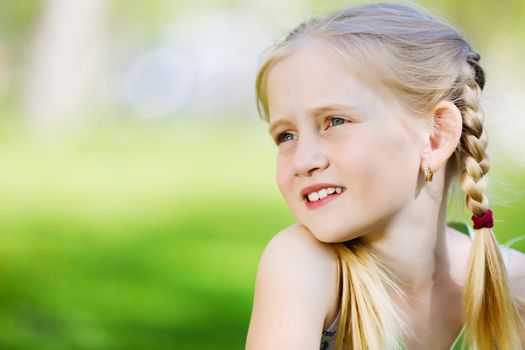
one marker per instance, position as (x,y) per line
(414,242)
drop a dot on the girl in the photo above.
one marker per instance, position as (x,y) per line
(376,111)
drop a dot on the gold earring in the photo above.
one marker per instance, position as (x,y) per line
(428,174)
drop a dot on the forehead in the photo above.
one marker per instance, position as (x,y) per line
(315,76)
(311,76)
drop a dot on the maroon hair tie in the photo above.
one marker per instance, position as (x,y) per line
(484,220)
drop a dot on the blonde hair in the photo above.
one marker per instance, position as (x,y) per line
(420,60)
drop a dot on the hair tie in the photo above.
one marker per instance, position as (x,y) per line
(483,221)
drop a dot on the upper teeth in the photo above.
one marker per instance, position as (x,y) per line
(315,196)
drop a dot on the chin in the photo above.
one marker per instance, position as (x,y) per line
(331,233)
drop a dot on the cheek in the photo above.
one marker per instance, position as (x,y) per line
(381,169)
(283,176)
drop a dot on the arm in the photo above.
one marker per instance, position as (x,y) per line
(294,289)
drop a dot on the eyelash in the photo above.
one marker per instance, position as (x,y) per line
(279,136)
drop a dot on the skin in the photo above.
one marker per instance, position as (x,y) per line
(377,151)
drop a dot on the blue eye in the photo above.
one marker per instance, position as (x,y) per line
(284,136)
(337,121)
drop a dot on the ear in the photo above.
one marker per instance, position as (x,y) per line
(443,135)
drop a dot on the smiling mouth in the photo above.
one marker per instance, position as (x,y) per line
(314,202)
(323,193)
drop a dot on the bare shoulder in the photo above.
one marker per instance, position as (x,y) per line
(294,288)
(516,271)
(460,247)
(516,264)
(299,238)
(462,244)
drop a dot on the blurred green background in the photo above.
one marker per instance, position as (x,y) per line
(137,184)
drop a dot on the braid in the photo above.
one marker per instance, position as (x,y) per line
(492,319)
(474,142)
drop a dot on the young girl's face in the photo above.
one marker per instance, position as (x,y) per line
(333,130)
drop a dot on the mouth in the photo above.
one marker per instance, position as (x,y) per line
(319,198)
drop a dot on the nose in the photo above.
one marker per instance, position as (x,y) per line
(309,157)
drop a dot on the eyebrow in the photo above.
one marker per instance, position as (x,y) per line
(314,111)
